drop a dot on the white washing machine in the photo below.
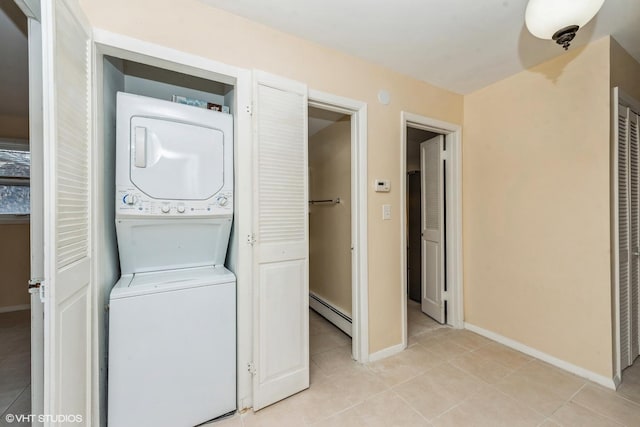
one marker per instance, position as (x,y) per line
(172,317)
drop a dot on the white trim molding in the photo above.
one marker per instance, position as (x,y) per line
(552,360)
(329,311)
(15,144)
(386,352)
(453,219)
(359,264)
(11,308)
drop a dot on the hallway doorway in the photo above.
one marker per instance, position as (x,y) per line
(431,190)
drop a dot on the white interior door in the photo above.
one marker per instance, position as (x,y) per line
(628,250)
(67,201)
(634,223)
(432,190)
(623,249)
(281,259)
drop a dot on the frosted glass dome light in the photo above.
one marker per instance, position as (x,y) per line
(559,20)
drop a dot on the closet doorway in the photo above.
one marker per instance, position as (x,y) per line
(330,287)
(337,226)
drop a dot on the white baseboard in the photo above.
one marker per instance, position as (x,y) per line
(616,381)
(330,312)
(15,308)
(386,352)
(562,364)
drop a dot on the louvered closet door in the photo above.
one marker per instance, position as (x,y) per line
(623,234)
(67,177)
(628,234)
(432,196)
(634,226)
(281,267)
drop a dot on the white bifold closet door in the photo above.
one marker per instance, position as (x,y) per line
(628,182)
(432,200)
(281,243)
(67,123)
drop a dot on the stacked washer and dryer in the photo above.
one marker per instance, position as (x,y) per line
(172,314)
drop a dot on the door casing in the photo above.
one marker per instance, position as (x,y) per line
(357,110)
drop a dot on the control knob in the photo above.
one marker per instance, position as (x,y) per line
(130,199)
(165,208)
(181,208)
(222,201)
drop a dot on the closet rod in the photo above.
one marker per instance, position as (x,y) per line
(332,201)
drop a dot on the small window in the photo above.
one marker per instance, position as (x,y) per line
(14,180)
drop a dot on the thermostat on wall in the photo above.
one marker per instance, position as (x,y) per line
(382,185)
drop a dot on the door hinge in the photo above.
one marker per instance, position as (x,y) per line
(251,239)
(251,368)
(248,109)
(444,155)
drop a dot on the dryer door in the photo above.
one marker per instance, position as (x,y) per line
(174,160)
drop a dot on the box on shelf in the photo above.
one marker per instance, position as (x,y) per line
(200,103)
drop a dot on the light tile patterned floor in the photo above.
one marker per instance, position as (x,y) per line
(15,364)
(446,377)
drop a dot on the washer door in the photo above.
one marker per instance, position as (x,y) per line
(174,160)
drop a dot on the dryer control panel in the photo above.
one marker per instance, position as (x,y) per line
(132,202)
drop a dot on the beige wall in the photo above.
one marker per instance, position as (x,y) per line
(625,71)
(536,208)
(14,250)
(236,41)
(14,264)
(329,224)
(14,127)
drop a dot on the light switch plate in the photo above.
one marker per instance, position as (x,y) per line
(386,212)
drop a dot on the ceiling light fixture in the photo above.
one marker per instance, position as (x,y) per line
(559,20)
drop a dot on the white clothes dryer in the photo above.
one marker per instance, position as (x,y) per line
(172,160)
(174,184)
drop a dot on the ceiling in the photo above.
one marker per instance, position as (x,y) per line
(14,84)
(459,45)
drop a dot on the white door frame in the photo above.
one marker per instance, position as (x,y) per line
(618,97)
(119,46)
(31,9)
(453,219)
(359,264)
